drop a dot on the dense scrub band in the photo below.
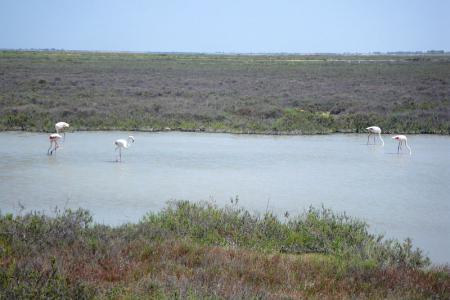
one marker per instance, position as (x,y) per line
(243,94)
(198,250)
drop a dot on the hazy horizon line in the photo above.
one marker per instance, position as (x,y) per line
(430,51)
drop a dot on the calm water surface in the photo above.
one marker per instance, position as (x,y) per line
(399,195)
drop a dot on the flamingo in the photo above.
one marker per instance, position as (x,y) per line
(60,127)
(401,139)
(54,138)
(374,130)
(121,143)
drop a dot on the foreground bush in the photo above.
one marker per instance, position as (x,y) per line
(198,250)
(316,231)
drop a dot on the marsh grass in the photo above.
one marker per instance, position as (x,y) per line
(314,231)
(220,93)
(198,250)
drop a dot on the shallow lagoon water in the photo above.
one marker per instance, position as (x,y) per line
(397,194)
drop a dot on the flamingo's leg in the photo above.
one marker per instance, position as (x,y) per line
(381,139)
(50,148)
(53,147)
(398,148)
(368,137)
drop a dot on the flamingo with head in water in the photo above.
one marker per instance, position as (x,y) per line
(402,139)
(60,127)
(54,138)
(121,143)
(374,130)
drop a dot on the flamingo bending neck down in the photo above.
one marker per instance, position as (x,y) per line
(374,130)
(401,139)
(54,138)
(121,143)
(60,127)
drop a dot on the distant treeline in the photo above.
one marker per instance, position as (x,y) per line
(288,94)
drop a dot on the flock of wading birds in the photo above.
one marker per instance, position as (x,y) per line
(61,127)
(122,143)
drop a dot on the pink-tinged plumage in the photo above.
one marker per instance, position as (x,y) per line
(53,138)
(402,139)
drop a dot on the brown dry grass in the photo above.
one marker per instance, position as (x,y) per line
(67,257)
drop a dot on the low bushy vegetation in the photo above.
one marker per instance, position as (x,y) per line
(241,93)
(198,250)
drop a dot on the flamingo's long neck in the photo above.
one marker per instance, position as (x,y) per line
(406,143)
(379,134)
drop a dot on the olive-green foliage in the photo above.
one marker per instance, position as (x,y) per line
(25,282)
(24,239)
(315,231)
(189,250)
(299,120)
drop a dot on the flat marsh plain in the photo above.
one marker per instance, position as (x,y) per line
(287,94)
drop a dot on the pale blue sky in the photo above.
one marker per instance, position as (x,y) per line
(252,26)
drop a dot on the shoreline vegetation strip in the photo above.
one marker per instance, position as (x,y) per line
(198,250)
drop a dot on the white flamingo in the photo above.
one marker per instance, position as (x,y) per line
(121,143)
(374,130)
(401,139)
(60,127)
(54,138)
